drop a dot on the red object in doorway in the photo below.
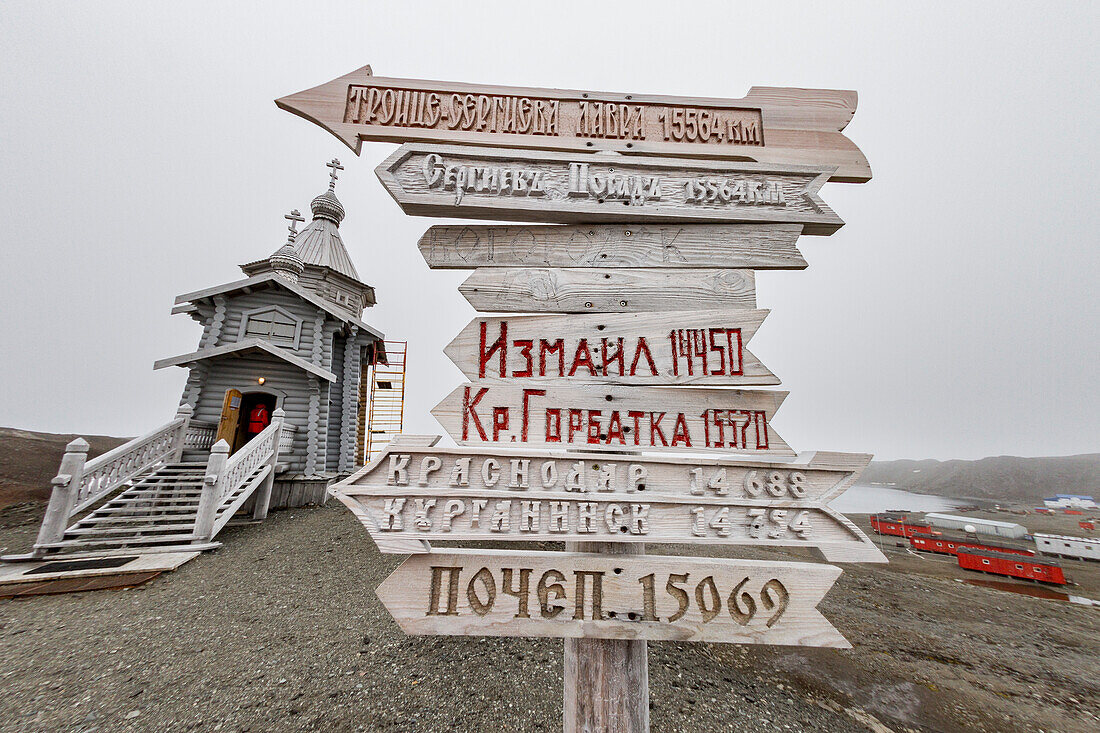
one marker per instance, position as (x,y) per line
(258,419)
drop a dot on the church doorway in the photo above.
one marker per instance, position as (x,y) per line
(244,415)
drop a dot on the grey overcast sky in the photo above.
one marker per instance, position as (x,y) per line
(954,316)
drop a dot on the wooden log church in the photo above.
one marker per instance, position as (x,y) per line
(288,336)
(274,408)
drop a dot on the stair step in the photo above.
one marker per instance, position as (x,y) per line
(61,554)
(131,518)
(131,529)
(163,501)
(119,541)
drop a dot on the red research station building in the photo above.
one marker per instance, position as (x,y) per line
(1011,565)
(952,544)
(897,525)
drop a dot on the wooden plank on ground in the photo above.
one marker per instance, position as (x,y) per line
(774,124)
(592,290)
(580,594)
(703,348)
(746,246)
(532,185)
(609,416)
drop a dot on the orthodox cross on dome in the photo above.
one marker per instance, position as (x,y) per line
(294,217)
(334,164)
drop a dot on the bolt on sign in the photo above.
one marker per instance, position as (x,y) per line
(769,124)
(702,348)
(477,494)
(573,594)
(751,246)
(532,185)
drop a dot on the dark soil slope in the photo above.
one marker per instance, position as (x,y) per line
(29,460)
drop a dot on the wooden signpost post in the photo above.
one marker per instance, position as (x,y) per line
(616,329)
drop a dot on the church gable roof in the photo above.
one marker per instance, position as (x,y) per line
(270,279)
(241,348)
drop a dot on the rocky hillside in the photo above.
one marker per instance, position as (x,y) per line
(1000,478)
(29,460)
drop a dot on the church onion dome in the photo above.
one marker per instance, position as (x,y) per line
(327,206)
(287,263)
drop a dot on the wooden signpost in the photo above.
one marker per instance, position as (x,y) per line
(769,124)
(641,294)
(590,290)
(586,595)
(468,494)
(751,246)
(702,348)
(534,185)
(614,417)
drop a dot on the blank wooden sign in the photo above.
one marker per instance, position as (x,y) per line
(532,185)
(747,246)
(772,124)
(554,594)
(704,348)
(607,416)
(591,290)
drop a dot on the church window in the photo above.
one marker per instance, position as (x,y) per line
(272,324)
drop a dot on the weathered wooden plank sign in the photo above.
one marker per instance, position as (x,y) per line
(413,494)
(769,124)
(418,461)
(591,290)
(748,246)
(533,185)
(571,594)
(615,417)
(703,348)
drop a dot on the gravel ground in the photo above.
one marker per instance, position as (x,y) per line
(280,630)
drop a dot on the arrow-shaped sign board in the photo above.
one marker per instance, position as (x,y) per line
(554,594)
(413,493)
(749,246)
(608,416)
(775,125)
(612,290)
(703,348)
(534,185)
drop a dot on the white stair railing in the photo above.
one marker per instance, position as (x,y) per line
(225,475)
(80,483)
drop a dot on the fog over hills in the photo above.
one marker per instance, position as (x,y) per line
(999,478)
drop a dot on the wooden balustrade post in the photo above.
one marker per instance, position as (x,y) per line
(263,494)
(66,484)
(211,490)
(606,681)
(184,413)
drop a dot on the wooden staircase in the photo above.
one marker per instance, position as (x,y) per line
(156,513)
(142,498)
